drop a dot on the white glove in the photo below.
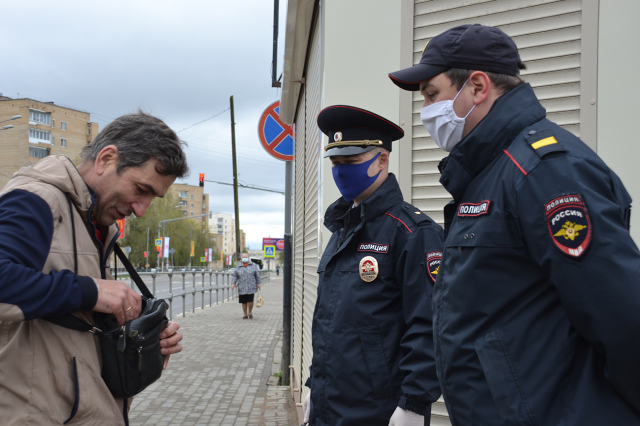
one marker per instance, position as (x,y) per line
(306,407)
(402,417)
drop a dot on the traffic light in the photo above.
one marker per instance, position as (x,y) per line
(201,179)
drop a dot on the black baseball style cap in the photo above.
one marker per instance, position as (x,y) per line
(352,130)
(472,47)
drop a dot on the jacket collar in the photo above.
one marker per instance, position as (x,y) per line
(509,115)
(385,197)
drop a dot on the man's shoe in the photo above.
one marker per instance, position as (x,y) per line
(250,316)
(245,317)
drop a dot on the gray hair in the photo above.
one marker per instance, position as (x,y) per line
(139,138)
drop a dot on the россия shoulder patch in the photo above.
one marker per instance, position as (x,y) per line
(569,224)
(432,261)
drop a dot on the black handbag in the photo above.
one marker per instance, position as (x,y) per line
(131,357)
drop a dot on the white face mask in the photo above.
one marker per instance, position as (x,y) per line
(442,123)
(245,260)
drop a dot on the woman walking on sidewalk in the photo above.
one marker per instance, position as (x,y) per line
(247,278)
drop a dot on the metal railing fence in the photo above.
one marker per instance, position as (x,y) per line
(218,282)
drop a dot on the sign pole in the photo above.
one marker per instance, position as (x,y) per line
(235,180)
(278,139)
(287,273)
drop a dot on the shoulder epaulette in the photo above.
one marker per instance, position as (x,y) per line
(544,142)
(415,214)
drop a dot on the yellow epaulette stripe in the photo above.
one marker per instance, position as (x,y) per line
(544,142)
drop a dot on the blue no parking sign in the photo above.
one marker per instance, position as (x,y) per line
(275,136)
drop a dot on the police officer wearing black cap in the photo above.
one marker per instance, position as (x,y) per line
(373,360)
(536,305)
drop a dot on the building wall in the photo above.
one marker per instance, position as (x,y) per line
(193,201)
(15,142)
(356,60)
(618,64)
(577,52)
(216,242)
(224,225)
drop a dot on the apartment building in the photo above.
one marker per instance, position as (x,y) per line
(44,129)
(192,200)
(224,225)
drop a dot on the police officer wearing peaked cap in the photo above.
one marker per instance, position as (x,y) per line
(373,360)
(537,299)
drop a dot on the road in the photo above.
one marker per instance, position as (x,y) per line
(179,304)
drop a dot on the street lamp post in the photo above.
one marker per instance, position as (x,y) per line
(15,117)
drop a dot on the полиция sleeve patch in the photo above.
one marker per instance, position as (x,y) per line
(432,262)
(569,224)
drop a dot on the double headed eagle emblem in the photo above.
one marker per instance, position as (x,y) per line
(569,230)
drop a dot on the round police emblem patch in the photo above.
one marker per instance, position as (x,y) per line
(432,262)
(569,224)
(368,268)
(337,136)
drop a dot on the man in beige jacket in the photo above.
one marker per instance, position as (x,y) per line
(50,375)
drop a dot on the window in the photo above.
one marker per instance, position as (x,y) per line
(63,125)
(38,117)
(63,142)
(191,205)
(192,196)
(191,213)
(53,140)
(184,212)
(184,194)
(204,206)
(36,136)
(183,203)
(53,124)
(220,220)
(88,128)
(36,152)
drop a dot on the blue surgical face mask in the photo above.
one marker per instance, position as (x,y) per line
(353,179)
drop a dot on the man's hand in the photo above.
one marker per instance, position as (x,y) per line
(306,407)
(170,341)
(233,286)
(259,286)
(116,298)
(402,417)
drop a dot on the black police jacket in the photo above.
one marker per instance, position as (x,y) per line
(536,306)
(372,325)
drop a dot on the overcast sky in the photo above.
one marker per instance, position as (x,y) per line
(178,60)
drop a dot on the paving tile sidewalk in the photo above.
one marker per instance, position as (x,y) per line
(220,377)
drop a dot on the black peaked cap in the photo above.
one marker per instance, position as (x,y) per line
(344,123)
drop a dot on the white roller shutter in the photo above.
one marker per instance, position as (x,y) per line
(298,241)
(312,154)
(306,213)
(548,36)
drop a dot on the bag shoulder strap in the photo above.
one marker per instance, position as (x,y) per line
(75,323)
(132,272)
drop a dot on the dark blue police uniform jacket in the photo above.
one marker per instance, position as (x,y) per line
(537,303)
(373,341)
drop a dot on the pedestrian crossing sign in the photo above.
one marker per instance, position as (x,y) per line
(269,251)
(158,242)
